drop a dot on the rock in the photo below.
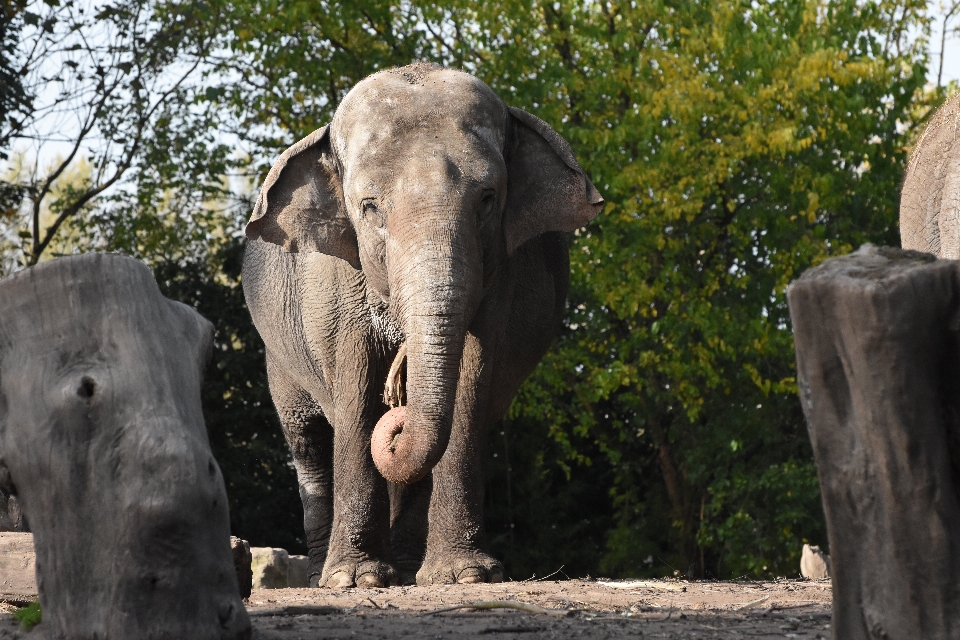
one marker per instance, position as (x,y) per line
(18,563)
(297,572)
(877,338)
(276,569)
(11,516)
(270,567)
(243,564)
(18,566)
(814,563)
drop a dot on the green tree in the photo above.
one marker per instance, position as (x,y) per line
(109,86)
(737,143)
(15,102)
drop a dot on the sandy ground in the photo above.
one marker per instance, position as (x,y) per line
(571,609)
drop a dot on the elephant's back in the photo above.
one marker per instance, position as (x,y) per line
(930,198)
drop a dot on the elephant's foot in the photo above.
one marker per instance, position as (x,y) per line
(460,567)
(364,573)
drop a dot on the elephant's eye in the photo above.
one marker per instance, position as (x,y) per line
(371,213)
(488,202)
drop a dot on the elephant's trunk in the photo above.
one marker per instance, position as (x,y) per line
(408,441)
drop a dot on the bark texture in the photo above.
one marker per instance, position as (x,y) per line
(878,368)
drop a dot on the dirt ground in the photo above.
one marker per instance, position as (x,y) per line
(569,609)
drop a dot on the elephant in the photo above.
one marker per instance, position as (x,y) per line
(412,250)
(930,196)
(103,442)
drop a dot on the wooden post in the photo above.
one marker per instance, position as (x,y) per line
(878,363)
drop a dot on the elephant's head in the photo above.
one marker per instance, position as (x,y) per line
(427,182)
(103,440)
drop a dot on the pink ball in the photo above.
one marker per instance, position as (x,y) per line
(383,442)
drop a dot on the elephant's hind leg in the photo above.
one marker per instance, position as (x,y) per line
(310,438)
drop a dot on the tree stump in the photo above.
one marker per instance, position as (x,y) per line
(102,441)
(878,364)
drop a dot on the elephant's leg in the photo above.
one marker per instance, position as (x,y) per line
(359,552)
(455,539)
(409,505)
(310,438)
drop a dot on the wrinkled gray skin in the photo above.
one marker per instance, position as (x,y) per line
(930,197)
(103,442)
(428,213)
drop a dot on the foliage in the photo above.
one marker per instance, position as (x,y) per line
(30,615)
(14,99)
(288,63)
(737,143)
(108,83)
(539,516)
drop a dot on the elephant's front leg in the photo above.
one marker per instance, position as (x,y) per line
(310,439)
(455,539)
(359,552)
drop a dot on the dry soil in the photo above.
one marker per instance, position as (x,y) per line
(567,609)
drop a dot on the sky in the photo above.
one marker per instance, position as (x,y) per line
(951,53)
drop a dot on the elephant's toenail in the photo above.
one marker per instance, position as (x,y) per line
(369,580)
(340,580)
(470,575)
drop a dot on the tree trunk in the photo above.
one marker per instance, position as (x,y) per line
(878,369)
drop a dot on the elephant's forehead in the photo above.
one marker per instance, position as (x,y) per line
(446,106)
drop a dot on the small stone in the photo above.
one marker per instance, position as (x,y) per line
(242,561)
(11,517)
(814,563)
(270,567)
(297,572)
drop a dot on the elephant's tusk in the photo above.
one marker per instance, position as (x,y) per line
(393,393)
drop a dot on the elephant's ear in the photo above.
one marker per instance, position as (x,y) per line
(547,190)
(301,204)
